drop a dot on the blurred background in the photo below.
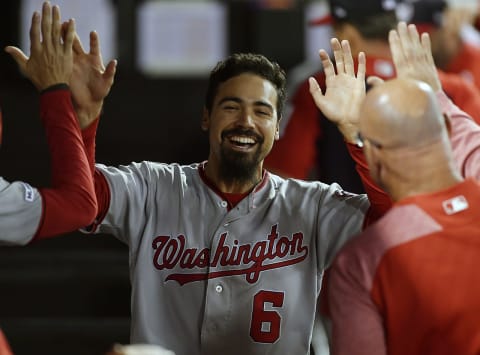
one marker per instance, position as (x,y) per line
(71,295)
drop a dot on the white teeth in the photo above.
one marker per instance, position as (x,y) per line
(242,140)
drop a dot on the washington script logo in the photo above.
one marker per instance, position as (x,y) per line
(273,253)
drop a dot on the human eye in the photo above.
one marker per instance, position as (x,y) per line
(230,107)
(264,113)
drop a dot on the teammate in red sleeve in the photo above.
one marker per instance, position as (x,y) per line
(27,213)
(464,133)
(409,283)
(349,284)
(310,146)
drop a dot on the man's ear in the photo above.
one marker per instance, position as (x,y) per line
(371,156)
(448,123)
(277,131)
(205,120)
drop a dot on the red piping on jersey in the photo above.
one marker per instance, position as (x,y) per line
(232,198)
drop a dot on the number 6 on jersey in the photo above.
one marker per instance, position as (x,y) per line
(271,319)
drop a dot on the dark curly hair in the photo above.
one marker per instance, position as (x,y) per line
(240,63)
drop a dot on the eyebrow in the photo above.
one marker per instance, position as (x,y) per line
(239,101)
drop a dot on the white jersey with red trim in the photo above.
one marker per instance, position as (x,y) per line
(207,279)
(20,212)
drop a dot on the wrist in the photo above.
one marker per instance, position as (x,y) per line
(58,86)
(349,132)
(85,118)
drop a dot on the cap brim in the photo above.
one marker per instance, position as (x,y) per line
(321,21)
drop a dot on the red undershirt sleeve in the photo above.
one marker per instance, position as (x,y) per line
(70,202)
(102,191)
(380,202)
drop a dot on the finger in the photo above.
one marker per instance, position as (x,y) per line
(77,45)
(405,41)
(327,64)
(110,71)
(94,43)
(414,37)
(46,24)
(56,27)
(64,29)
(69,37)
(315,91)
(338,55)
(362,64)
(19,57)
(348,59)
(435,83)
(35,44)
(374,80)
(398,56)
(427,48)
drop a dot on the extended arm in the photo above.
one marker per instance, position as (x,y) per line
(70,202)
(341,104)
(90,83)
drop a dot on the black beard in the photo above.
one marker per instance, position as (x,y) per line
(239,167)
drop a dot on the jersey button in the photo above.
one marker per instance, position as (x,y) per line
(224,204)
(219,288)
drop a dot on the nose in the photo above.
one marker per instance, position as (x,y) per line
(246,118)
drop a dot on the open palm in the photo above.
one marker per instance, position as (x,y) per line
(345,91)
(91,81)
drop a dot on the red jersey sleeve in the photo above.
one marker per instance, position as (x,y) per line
(380,202)
(463,93)
(102,191)
(295,153)
(70,202)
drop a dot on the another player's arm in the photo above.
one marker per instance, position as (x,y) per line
(70,203)
(90,83)
(357,325)
(413,59)
(345,91)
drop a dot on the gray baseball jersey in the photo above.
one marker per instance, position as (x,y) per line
(208,280)
(20,212)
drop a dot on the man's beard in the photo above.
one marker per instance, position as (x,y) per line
(240,167)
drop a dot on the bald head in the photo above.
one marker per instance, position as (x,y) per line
(401,112)
(406,140)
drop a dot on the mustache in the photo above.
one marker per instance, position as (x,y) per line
(242,132)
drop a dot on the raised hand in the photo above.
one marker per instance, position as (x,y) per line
(412,55)
(91,81)
(51,58)
(345,91)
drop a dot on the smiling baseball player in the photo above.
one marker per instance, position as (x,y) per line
(225,257)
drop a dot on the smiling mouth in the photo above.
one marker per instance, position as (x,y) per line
(242,141)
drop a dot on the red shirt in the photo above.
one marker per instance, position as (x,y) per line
(409,284)
(466,63)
